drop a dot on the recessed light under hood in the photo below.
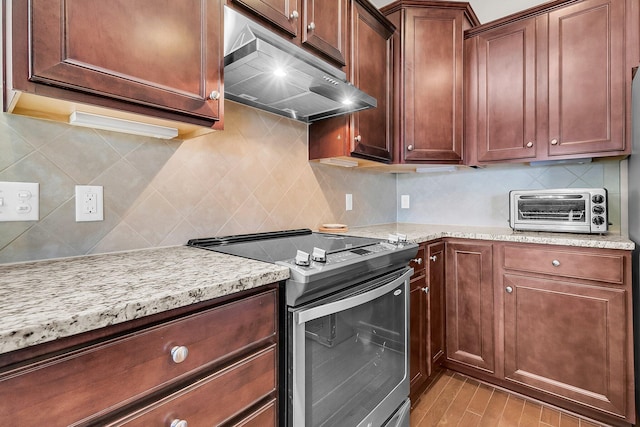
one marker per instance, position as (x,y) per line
(265,71)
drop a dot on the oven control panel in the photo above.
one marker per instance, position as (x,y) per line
(320,257)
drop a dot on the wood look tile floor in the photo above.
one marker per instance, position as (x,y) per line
(457,400)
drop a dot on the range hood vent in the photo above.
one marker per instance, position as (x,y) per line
(267,72)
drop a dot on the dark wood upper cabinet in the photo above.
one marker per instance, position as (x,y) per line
(319,26)
(550,83)
(587,78)
(158,57)
(364,134)
(429,79)
(504,76)
(324,27)
(283,14)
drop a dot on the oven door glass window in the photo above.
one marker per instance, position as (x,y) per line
(350,357)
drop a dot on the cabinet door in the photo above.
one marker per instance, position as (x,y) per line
(418,337)
(587,78)
(436,301)
(283,14)
(506,100)
(159,53)
(324,27)
(433,79)
(568,339)
(372,72)
(469,305)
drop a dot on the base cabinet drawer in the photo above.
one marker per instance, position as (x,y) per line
(98,380)
(215,399)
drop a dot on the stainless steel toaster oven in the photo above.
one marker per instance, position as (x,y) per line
(570,210)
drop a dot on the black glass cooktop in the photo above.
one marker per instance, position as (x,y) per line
(280,245)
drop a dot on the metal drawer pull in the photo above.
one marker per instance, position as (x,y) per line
(311,26)
(555,263)
(425,290)
(529,144)
(179,354)
(179,423)
(433,258)
(214,96)
(554,142)
(417,261)
(509,289)
(294,15)
(410,148)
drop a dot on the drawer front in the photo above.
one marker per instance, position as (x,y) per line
(588,265)
(93,380)
(214,399)
(263,417)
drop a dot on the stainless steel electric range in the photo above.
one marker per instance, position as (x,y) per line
(347,322)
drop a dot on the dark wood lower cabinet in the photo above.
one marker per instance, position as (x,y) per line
(470,308)
(550,322)
(136,376)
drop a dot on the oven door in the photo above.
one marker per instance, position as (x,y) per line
(348,357)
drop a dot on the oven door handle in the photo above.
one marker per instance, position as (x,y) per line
(350,302)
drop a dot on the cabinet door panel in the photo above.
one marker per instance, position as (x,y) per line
(587,78)
(566,339)
(324,27)
(418,367)
(469,305)
(373,72)
(277,12)
(507,93)
(435,261)
(123,51)
(433,85)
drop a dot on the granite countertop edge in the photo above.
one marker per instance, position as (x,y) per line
(45,300)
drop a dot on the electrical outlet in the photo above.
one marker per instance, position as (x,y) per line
(404,201)
(89,203)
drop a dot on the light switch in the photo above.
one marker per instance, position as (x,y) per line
(349,202)
(19,201)
(404,201)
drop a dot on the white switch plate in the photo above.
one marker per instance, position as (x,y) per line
(349,202)
(404,201)
(89,203)
(19,201)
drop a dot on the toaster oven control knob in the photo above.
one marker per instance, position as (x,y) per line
(319,255)
(598,220)
(303,259)
(597,198)
(598,209)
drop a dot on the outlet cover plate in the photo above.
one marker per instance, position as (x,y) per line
(89,203)
(19,201)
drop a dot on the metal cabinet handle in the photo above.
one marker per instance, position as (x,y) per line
(410,148)
(529,144)
(179,353)
(214,96)
(509,289)
(425,289)
(311,26)
(433,258)
(417,261)
(555,263)
(554,141)
(294,15)
(179,423)
(358,138)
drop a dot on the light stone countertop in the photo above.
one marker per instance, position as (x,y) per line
(45,300)
(420,233)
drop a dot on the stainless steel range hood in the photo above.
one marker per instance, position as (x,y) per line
(265,71)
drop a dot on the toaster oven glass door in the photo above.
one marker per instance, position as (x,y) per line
(559,209)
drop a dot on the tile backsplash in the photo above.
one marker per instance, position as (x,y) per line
(481,196)
(253,176)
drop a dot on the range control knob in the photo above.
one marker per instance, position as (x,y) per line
(597,198)
(598,209)
(393,239)
(402,238)
(319,255)
(598,220)
(303,259)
